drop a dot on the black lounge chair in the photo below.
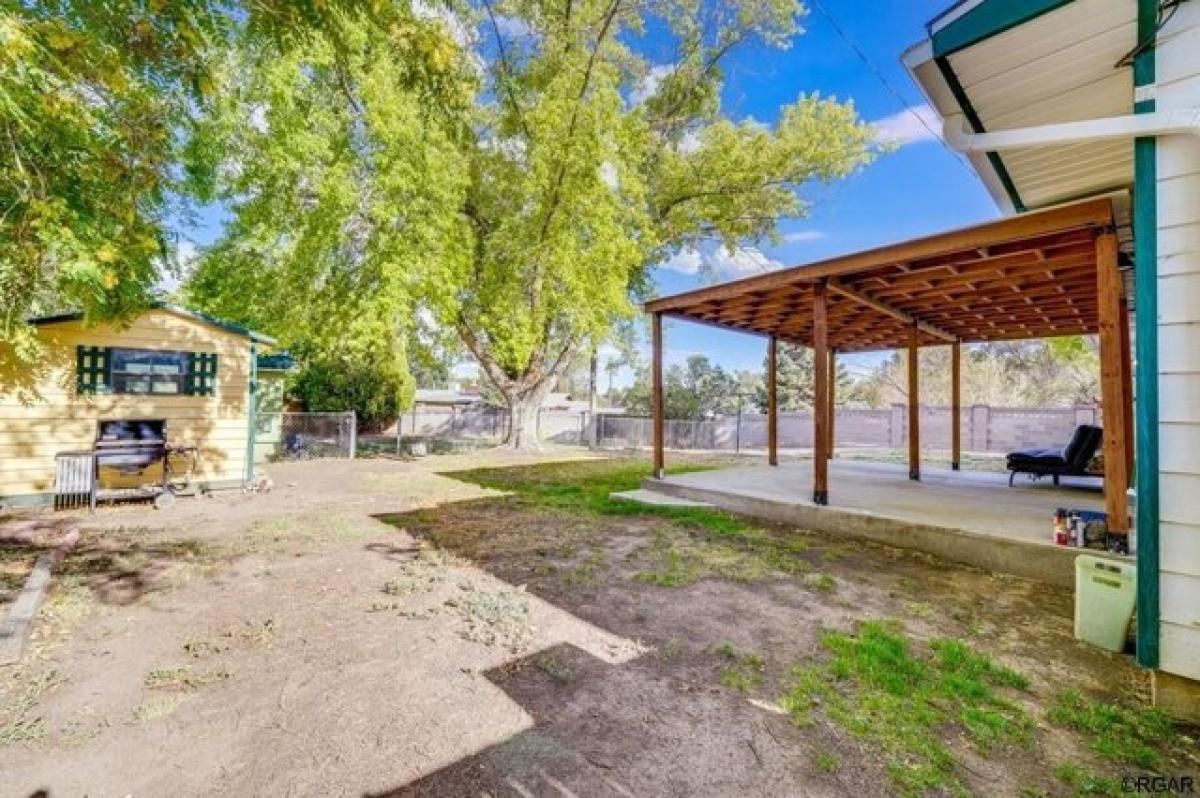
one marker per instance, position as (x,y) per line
(1070,461)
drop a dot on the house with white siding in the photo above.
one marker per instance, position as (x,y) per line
(1054,101)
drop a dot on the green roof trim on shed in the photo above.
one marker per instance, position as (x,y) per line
(178,310)
(988,19)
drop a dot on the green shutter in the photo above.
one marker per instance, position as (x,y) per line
(93,369)
(202,374)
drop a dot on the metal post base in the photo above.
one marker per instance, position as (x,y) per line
(821,497)
(915,476)
(954,467)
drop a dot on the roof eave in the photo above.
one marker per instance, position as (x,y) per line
(178,310)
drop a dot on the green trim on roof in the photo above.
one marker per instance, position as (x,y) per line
(197,315)
(278,361)
(960,97)
(989,18)
(1145,243)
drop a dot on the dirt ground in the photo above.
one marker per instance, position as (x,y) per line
(379,627)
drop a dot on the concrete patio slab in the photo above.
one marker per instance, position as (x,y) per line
(968,517)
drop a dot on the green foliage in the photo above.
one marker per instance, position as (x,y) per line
(742,672)
(695,390)
(363,374)
(1128,736)
(98,102)
(1085,783)
(91,95)
(876,688)
(587,170)
(339,157)
(1058,371)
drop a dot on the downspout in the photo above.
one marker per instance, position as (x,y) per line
(251,413)
(1135,126)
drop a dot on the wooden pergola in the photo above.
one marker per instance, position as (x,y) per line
(1038,275)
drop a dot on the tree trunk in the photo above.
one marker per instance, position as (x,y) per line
(522,424)
(523,406)
(592,390)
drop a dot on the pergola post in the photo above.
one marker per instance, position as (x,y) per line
(1127,382)
(832,400)
(656,392)
(1113,387)
(820,394)
(772,403)
(955,405)
(914,405)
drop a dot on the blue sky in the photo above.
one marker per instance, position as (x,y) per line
(917,189)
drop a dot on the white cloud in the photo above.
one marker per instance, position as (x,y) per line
(178,267)
(690,142)
(913,125)
(743,260)
(458,30)
(513,27)
(258,118)
(802,236)
(718,261)
(649,84)
(610,176)
(685,261)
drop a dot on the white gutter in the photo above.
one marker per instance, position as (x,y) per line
(1158,123)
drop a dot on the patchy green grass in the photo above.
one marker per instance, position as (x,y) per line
(822,583)
(183,680)
(587,485)
(157,707)
(20,718)
(1085,783)
(743,671)
(554,665)
(825,761)
(1129,737)
(879,689)
(698,543)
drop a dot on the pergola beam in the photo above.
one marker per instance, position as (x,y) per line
(955,405)
(772,402)
(656,395)
(914,404)
(1093,213)
(889,310)
(1113,384)
(820,395)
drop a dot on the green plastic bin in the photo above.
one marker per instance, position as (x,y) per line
(1104,595)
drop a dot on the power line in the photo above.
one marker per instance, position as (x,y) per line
(888,86)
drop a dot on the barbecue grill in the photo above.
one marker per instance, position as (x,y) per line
(132,447)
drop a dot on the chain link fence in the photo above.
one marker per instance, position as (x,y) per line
(306,436)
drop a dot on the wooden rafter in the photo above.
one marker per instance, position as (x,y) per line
(1030,276)
(889,310)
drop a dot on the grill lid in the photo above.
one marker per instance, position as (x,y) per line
(117,432)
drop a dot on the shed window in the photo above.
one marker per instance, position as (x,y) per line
(145,371)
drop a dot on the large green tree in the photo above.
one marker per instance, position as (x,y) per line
(590,163)
(795,377)
(339,157)
(693,391)
(96,102)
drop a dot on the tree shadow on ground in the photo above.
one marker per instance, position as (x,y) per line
(119,564)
